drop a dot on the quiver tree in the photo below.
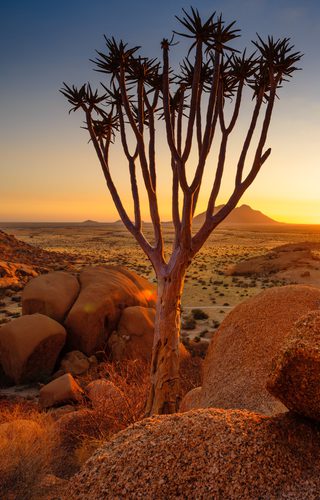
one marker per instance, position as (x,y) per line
(136,93)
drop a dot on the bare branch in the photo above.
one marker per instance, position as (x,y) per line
(153,202)
(175,204)
(166,100)
(152,153)
(179,122)
(248,139)
(145,245)
(195,97)
(209,128)
(199,124)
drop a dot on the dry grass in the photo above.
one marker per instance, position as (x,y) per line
(27,448)
(131,382)
(36,445)
(83,431)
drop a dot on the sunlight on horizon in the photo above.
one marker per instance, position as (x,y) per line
(49,172)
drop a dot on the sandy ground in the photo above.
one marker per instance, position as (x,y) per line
(207,285)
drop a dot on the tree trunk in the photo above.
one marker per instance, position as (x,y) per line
(164,395)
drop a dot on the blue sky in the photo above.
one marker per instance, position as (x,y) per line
(47,169)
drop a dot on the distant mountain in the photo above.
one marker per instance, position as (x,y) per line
(90,222)
(240,215)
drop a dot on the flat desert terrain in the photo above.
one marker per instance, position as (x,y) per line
(211,285)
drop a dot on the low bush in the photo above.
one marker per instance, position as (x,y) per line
(27,446)
(199,314)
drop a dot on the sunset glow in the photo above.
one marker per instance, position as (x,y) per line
(49,172)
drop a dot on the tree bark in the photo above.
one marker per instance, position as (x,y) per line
(164,394)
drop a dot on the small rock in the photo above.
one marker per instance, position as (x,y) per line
(60,390)
(93,360)
(103,392)
(191,400)
(75,362)
(100,356)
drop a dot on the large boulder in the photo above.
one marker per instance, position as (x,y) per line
(29,347)
(240,354)
(134,336)
(295,377)
(62,389)
(105,293)
(50,294)
(209,453)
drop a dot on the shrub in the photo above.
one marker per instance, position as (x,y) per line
(27,443)
(199,314)
(189,323)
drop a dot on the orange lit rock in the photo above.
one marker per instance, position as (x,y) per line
(134,336)
(205,454)
(29,347)
(75,362)
(191,400)
(60,390)
(239,359)
(104,393)
(51,294)
(296,372)
(105,293)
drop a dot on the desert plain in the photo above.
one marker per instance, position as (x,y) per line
(212,284)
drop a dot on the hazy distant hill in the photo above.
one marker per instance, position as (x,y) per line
(90,222)
(240,215)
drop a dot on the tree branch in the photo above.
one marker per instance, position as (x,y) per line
(167,117)
(211,120)
(248,139)
(153,202)
(145,245)
(214,220)
(195,96)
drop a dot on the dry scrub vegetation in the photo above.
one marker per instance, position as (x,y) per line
(27,443)
(37,448)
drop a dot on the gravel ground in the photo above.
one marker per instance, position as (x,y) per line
(209,453)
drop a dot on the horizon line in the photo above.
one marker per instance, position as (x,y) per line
(94,222)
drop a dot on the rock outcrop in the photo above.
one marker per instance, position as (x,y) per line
(239,358)
(29,347)
(51,294)
(134,335)
(207,453)
(60,390)
(295,376)
(20,261)
(105,293)
(292,257)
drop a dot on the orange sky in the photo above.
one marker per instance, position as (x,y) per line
(49,172)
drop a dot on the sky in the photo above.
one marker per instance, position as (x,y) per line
(49,171)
